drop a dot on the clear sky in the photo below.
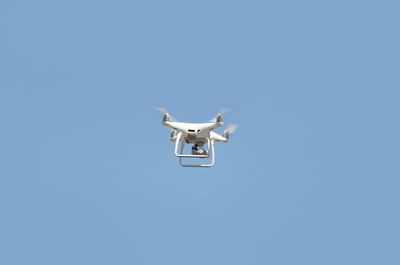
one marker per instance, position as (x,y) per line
(88,175)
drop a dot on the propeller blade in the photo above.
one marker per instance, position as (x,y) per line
(222,112)
(231,128)
(164,111)
(161,110)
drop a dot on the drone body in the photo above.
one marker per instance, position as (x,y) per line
(198,135)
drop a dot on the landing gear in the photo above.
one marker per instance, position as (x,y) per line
(180,145)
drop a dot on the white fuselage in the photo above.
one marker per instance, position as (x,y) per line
(194,132)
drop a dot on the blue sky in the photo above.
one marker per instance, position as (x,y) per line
(88,176)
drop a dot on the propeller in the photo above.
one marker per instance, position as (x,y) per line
(220,115)
(231,128)
(164,111)
(224,111)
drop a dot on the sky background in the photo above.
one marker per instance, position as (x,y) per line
(87,172)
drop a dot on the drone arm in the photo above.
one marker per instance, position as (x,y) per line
(216,125)
(173,125)
(216,137)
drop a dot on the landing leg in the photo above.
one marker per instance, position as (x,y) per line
(211,153)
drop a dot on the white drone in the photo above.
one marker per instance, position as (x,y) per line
(197,134)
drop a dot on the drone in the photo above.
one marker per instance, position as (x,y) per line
(198,135)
